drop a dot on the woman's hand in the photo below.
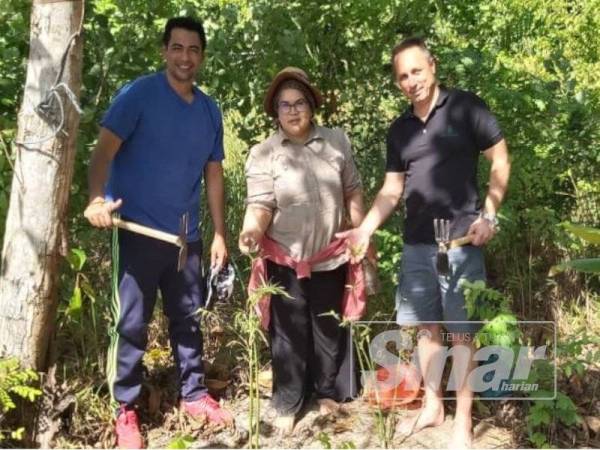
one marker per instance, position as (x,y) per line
(248,241)
(256,222)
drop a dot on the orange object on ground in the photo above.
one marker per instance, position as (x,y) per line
(401,391)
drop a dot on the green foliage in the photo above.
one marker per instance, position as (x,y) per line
(81,311)
(250,336)
(545,415)
(384,422)
(589,234)
(14,39)
(325,441)
(590,265)
(576,355)
(482,302)
(82,287)
(389,251)
(535,63)
(181,441)
(15,382)
(493,307)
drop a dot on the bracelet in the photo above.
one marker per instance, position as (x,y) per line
(97,201)
(491,219)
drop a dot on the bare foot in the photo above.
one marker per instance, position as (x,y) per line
(328,406)
(284,425)
(462,434)
(431,415)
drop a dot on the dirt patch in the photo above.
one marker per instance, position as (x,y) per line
(354,427)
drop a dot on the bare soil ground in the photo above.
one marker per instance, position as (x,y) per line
(354,427)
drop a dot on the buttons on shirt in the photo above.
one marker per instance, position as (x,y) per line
(424,130)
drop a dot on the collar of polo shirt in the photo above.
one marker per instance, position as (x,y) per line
(315,134)
(442,97)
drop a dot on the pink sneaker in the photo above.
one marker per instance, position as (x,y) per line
(207,407)
(128,429)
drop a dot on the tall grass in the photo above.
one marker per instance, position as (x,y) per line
(246,324)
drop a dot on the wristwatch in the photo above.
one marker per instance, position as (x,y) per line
(491,219)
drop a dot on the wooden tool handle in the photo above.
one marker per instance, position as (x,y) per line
(461,241)
(146,231)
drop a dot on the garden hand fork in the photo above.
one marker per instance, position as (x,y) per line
(441,228)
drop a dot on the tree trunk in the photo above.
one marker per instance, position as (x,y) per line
(35,235)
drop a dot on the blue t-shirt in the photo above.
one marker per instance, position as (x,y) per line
(166,145)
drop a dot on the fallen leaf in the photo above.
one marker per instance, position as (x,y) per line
(593,423)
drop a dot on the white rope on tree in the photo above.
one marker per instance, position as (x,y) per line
(44,108)
(45,104)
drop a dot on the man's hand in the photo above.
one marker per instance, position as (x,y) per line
(99,212)
(481,231)
(218,252)
(248,241)
(357,241)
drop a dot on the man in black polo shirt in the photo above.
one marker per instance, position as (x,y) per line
(432,156)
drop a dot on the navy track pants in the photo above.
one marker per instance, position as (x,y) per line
(145,265)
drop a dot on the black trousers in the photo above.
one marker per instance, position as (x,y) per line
(311,352)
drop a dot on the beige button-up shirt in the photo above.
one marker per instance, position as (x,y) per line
(304,186)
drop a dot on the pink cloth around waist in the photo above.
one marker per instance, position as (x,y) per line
(354,302)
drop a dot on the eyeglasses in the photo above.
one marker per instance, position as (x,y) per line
(300,106)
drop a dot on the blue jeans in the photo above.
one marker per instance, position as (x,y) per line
(425,296)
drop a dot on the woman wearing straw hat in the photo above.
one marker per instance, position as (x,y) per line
(302,185)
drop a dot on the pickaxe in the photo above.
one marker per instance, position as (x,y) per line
(180,241)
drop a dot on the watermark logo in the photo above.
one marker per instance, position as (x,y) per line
(493,367)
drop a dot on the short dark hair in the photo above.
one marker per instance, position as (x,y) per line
(187,23)
(409,43)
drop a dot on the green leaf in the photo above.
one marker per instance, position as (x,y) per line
(181,442)
(563,402)
(17,434)
(538,439)
(467,61)
(324,439)
(6,403)
(588,265)
(539,414)
(76,258)
(588,234)
(75,302)
(540,104)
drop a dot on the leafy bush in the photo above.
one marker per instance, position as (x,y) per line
(15,382)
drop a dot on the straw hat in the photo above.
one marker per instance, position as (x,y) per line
(289,73)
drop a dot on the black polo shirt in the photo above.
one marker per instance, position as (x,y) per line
(439,159)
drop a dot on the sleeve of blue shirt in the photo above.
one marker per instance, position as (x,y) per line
(124,112)
(217,154)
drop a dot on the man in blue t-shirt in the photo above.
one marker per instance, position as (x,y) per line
(159,137)
(432,157)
